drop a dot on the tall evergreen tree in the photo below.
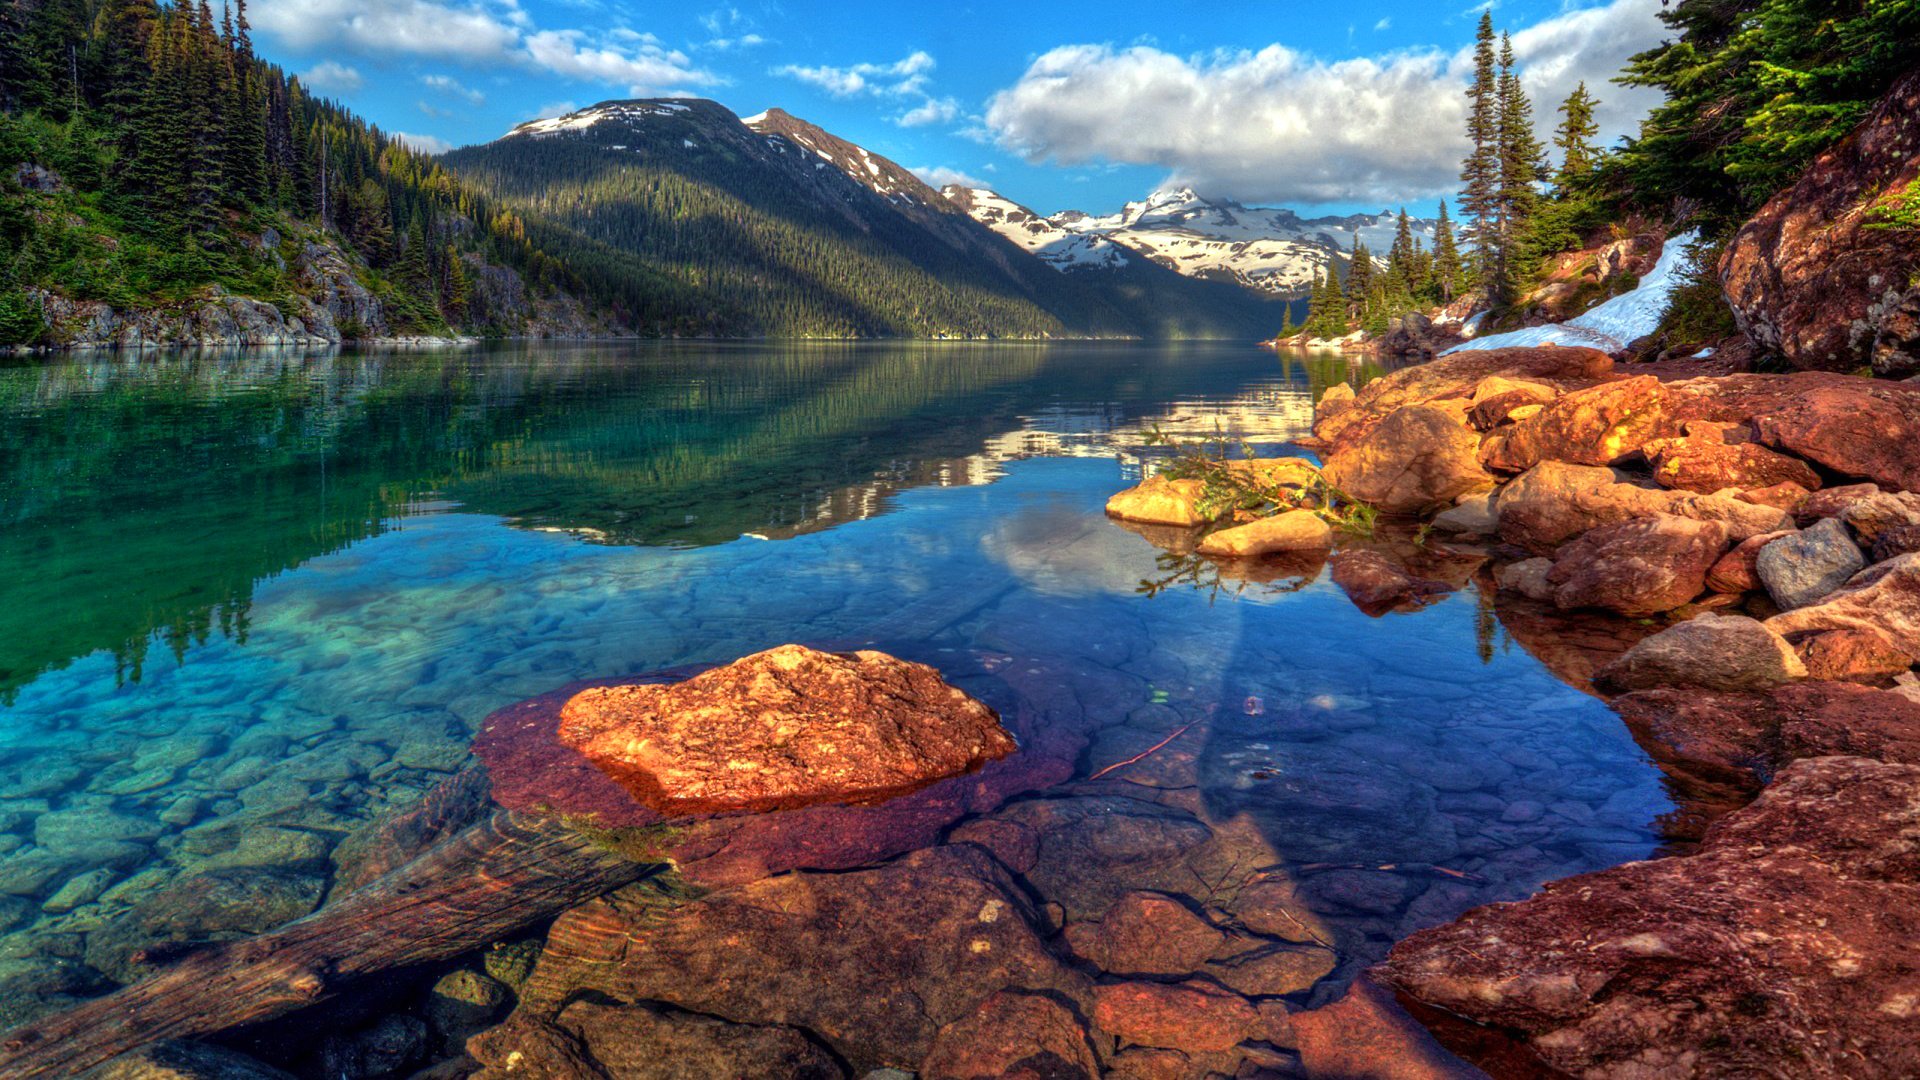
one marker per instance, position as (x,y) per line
(1574,137)
(1359,279)
(1480,172)
(1400,258)
(1522,164)
(1448,274)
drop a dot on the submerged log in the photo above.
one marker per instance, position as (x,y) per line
(484,882)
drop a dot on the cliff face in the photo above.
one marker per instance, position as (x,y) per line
(330,303)
(1817,275)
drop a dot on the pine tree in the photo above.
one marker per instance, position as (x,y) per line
(1480,172)
(1400,266)
(1448,274)
(1575,136)
(1359,279)
(1522,163)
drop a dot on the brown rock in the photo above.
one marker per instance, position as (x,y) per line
(1884,598)
(1784,496)
(1738,741)
(874,962)
(1528,577)
(1735,572)
(1015,1036)
(1366,1036)
(176,1059)
(1292,530)
(1780,949)
(1638,567)
(1417,460)
(1158,500)
(1191,1016)
(1376,585)
(1014,843)
(1899,540)
(645,1042)
(1495,399)
(1146,933)
(1456,376)
(784,728)
(1553,502)
(1882,512)
(1595,426)
(1696,464)
(1830,502)
(1720,652)
(1870,430)
(1811,278)
(1857,655)
(1275,970)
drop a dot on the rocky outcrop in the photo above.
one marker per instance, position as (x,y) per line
(1717,963)
(784,728)
(1810,278)
(1855,427)
(1418,459)
(1455,376)
(1709,463)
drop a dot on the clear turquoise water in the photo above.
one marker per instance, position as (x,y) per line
(250,601)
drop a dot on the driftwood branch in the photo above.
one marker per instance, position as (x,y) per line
(508,871)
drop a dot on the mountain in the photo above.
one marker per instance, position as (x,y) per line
(703,224)
(1268,250)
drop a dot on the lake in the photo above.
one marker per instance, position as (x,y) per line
(251,601)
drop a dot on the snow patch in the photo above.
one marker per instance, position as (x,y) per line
(1613,325)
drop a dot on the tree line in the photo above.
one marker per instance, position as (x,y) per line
(184,149)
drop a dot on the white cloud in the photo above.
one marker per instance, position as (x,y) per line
(329,77)
(1280,125)
(452,87)
(1384,24)
(906,79)
(940,176)
(479,32)
(426,144)
(930,111)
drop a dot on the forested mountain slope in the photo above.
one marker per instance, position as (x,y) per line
(159,182)
(703,224)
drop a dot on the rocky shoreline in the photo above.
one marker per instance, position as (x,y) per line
(1766,526)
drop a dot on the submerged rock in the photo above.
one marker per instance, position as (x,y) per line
(1191,1016)
(181,1060)
(784,728)
(1782,948)
(1723,652)
(1146,933)
(1013,1036)
(594,1039)
(1377,585)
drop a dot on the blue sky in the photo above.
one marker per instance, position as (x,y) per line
(1078,104)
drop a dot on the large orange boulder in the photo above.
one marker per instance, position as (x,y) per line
(1811,278)
(1419,459)
(1638,567)
(1595,426)
(1456,377)
(784,728)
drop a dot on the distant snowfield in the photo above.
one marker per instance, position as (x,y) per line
(1613,325)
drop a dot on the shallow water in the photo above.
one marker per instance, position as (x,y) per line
(250,601)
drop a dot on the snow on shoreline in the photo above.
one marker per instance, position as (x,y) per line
(1613,325)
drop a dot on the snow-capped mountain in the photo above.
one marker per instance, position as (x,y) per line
(1041,236)
(1267,249)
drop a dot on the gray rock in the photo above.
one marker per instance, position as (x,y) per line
(1475,515)
(1527,577)
(87,834)
(1803,568)
(1725,652)
(79,890)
